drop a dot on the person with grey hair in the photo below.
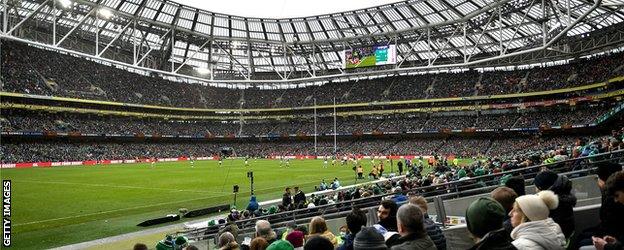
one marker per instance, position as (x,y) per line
(263,230)
(411,230)
(227,242)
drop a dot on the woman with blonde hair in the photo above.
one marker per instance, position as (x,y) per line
(318,227)
(533,229)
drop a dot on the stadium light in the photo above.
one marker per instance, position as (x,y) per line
(202,71)
(65,3)
(105,13)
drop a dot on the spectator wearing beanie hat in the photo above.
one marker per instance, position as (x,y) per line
(318,243)
(484,220)
(280,245)
(517,184)
(533,229)
(369,239)
(562,187)
(296,239)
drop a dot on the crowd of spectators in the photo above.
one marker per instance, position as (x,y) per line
(13,152)
(37,71)
(98,124)
(507,219)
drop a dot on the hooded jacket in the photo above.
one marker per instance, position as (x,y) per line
(564,214)
(536,235)
(253,204)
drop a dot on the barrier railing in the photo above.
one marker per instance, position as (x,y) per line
(455,189)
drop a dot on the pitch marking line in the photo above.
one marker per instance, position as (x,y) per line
(137,207)
(122,186)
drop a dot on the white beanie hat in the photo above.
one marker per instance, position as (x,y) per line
(537,207)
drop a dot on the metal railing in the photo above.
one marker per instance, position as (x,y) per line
(452,190)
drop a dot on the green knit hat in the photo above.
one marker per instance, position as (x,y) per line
(166,244)
(272,209)
(461,173)
(484,215)
(280,245)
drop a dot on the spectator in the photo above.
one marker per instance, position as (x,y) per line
(355,221)
(433,230)
(140,246)
(562,187)
(299,198)
(615,188)
(227,242)
(517,184)
(280,245)
(386,213)
(319,228)
(318,243)
(287,198)
(506,197)
(369,239)
(253,204)
(611,215)
(411,230)
(258,243)
(296,239)
(484,220)
(533,229)
(263,230)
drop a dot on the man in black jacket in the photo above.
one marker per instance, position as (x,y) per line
(299,198)
(287,199)
(562,187)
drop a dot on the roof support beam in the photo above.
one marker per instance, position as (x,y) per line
(187,59)
(82,20)
(150,50)
(31,14)
(114,39)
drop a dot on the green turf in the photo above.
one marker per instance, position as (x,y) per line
(365,62)
(64,205)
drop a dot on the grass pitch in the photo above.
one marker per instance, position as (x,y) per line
(58,206)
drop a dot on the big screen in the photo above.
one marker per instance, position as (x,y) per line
(370,56)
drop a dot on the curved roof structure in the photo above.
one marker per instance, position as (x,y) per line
(170,38)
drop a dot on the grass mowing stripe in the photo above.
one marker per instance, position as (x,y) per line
(120,186)
(138,207)
(76,204)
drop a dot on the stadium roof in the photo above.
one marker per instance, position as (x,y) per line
(170,37)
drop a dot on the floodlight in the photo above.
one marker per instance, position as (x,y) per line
(105,13)
(65,3)
(202,71)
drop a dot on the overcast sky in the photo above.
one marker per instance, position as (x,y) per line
(281,8)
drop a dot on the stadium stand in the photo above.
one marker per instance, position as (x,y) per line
(474,96)
(104,82)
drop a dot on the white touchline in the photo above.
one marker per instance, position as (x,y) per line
(131,208)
